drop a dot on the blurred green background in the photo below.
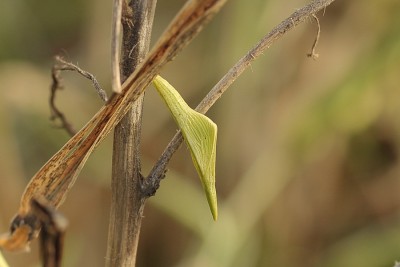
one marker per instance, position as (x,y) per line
(308,169)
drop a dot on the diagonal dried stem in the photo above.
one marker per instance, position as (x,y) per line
(299,16)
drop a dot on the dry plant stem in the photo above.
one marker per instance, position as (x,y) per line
(115,45)
(127,200)
(299,16)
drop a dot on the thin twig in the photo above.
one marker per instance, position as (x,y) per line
(115,46)
(55,112)
(314,55)
(72,67)
(152,182)
(59,66)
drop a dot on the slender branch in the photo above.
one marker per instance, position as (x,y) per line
(115,45)
(59,66)
(151,183)
(65,66)
(55,112)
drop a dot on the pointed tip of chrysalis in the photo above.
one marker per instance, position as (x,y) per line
(212,202)
(214,212)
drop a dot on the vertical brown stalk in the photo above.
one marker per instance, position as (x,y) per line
(127,201)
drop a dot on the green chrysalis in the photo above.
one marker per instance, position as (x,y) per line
(200,134)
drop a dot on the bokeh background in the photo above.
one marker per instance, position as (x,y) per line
(308,169)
